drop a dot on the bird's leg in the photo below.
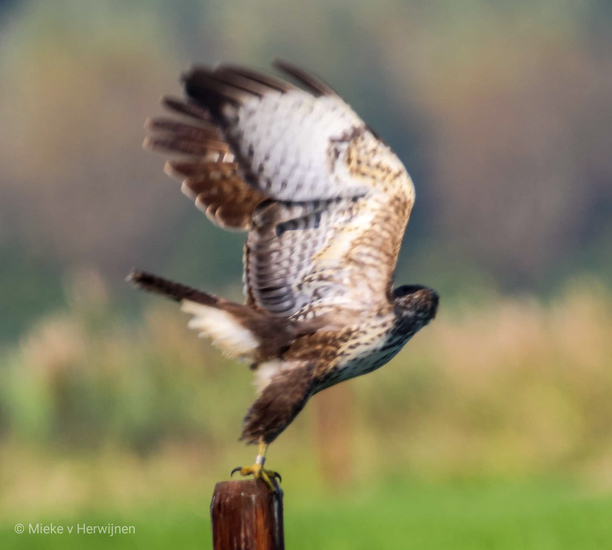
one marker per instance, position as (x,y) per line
(257,469)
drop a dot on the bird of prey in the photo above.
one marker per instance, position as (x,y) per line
(324,202)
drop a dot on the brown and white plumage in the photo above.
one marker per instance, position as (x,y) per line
(325,203)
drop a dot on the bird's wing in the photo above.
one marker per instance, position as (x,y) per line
(325,201)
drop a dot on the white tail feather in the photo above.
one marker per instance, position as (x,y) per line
(222,328)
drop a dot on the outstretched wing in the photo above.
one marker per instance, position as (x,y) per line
(325,201)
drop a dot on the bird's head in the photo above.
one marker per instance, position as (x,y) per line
(416,300)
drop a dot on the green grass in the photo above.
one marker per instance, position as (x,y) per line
(472,516)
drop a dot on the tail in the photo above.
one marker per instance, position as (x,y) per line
(238,330)
(170,289)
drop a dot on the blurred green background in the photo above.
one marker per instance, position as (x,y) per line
(492,429)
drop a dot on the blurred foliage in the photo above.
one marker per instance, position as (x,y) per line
(35,289)
(500,110)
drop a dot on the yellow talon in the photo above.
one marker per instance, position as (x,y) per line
(258,472)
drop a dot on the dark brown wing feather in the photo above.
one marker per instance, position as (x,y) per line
(209,175)
(222,195)
(309,81)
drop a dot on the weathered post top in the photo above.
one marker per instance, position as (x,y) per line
(246,515)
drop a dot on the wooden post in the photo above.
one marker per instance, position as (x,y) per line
(246,515)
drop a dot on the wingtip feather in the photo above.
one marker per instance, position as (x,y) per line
(308,80)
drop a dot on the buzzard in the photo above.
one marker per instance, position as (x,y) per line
(324,202)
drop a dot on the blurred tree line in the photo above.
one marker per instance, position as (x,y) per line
(500,110)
